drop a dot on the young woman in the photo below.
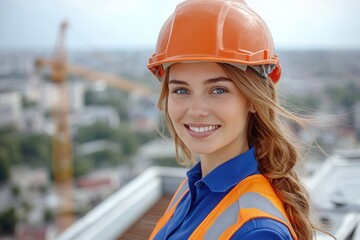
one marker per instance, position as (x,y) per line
(216,62)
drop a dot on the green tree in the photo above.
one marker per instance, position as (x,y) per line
(36,150)
(8,221)
(97,131)
(27,103)
(346,95)
(144,137)
(128,141)
(49,215)
(302,104)
(4,166)
(82,165)
(166,161)
(9,141)
(123,135)
(16,191)
(90,97)
(26,206)
(111,97)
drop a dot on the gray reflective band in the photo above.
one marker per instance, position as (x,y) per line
(223,222)
(256,200)
(230,216)
(182,190)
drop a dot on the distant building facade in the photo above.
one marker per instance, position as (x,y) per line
(51,96)
(89,115)
(357,119)
(10,109)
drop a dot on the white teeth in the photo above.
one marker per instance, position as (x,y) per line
(203,129)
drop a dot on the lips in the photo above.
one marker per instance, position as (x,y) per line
(201,130)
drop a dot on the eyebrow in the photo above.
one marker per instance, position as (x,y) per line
(208,81)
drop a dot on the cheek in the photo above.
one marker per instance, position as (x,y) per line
(174,110)
(235,112)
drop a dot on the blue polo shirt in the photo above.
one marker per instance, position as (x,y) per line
(205,193)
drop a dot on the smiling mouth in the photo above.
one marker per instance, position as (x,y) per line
(202,129)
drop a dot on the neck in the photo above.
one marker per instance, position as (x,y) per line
(211,161)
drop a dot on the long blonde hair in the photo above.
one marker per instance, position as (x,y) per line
(276,151)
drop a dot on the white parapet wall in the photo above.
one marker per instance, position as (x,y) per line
(122,209)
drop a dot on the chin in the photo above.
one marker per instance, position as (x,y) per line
(200,151)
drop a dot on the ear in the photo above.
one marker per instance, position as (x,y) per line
(252,109)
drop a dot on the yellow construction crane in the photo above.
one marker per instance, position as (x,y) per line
(61,140)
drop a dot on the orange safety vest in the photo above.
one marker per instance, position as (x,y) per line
(251,198)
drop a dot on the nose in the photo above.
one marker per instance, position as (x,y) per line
(199,107)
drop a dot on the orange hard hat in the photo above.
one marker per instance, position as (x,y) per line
(226,31)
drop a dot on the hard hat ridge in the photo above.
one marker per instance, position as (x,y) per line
(226,31)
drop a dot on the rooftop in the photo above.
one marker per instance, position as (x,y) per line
(132,212)
(334,191)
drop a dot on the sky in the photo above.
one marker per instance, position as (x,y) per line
(135,24)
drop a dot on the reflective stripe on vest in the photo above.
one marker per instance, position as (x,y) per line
(230,216)
(251,198)
(178,195)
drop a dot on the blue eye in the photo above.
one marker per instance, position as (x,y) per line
(219,90)
(181,91)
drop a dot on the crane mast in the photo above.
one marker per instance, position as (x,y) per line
(62,161)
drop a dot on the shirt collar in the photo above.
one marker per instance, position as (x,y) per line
(228,173)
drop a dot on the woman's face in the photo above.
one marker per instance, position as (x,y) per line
(207,110)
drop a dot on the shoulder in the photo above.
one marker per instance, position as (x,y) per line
(262,228)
